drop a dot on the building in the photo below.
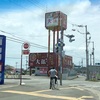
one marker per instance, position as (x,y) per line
(42,62)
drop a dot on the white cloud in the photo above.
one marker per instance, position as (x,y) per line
(80,8)
(30,25)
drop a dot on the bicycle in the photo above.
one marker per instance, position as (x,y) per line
(53,85)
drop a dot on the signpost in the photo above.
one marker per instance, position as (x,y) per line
(24,51)
(2,57)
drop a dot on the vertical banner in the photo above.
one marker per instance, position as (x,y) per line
(2,57)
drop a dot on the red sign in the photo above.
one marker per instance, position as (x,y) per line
(43,70)
(56,20)
(41,59)
(26,45)
(25,52)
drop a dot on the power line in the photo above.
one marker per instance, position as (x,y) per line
(31,12)
(26,7)
(13,57)
(36,3)
(20,40)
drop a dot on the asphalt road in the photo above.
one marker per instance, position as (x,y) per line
(37,88)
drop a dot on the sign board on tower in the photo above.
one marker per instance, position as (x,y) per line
(56,20)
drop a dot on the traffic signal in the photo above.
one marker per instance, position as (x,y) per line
(62,44)
(70,38)
(57,49)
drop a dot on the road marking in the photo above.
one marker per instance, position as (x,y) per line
(60,89)
(37,93)
(48,96)
(85,97)
(42,91)
(73,88)
(42,95)
(3,87)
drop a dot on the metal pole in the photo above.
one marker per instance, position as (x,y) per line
(93,54)
(87,59)
(61,59)
(16,64)
(49,41)
(48,48)
(60,66)
(57,54)
(90,60)
(26,62)
(82,62)
(54,40)
(21,68)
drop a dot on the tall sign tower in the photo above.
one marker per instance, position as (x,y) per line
(55,22)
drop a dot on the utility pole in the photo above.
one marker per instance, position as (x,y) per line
(87,52)
(87,56)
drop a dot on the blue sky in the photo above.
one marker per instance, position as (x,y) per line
(95,1)
(6,5)
(25,20)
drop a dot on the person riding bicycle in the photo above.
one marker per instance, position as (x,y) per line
(53,75)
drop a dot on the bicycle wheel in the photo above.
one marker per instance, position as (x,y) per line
(53,84)
(56,85)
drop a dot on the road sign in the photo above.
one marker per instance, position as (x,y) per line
(25,52)
(26,45)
